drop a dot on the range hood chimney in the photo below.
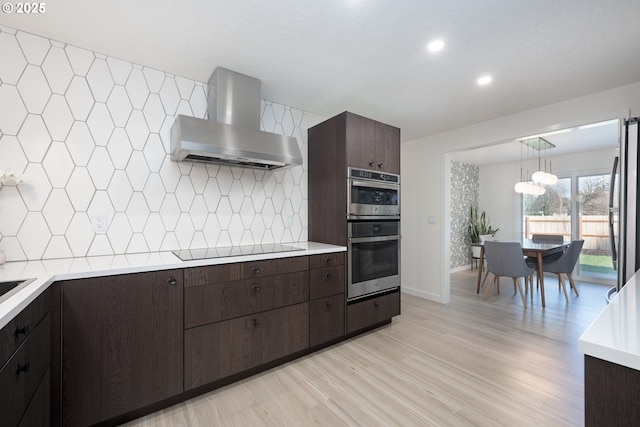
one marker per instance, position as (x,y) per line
(232,135)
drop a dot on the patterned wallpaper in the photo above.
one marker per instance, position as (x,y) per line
(465,191)
(90,133)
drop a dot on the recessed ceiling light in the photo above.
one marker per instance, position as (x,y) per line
(435,46)
(484,80)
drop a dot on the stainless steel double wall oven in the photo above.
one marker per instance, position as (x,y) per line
(373,224)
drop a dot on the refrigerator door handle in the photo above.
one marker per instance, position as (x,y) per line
(612,240)
(612,236)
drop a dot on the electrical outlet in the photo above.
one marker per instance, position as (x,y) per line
(100,223)
(288,220)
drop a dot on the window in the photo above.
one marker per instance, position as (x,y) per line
(593,227)
(577,211)
(549,213)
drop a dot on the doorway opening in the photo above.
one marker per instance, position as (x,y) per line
(581,159)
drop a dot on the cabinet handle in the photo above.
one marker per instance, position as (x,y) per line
(256,270)
(327,275)
(255,287)
(327,260)
(172,281)
(24,330)
(380,165)
(376,305)
(22,368)
(255,323)
(327,304)
(372,164)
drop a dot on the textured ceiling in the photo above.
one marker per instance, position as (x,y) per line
(369,56)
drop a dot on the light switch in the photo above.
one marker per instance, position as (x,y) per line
(432,219)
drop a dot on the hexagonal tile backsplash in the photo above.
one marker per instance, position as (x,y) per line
(90,133)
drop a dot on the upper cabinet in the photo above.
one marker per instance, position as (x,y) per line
(387,148)
(371,145)
(352,140)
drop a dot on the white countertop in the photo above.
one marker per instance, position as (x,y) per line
(46,272)
(614,335)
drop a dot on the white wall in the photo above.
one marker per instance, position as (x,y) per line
(425,177)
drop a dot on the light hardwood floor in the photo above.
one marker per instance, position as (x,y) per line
(472,362)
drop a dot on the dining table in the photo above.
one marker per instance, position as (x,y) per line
(529,249)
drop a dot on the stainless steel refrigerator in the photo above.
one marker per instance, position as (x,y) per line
(623,212)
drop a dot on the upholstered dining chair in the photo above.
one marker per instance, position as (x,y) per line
(505,259)
(547,238)
(565,265)
(486,238)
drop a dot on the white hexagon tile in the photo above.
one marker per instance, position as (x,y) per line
(90,133)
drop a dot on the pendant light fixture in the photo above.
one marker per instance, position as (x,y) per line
(534,186)
(541,176)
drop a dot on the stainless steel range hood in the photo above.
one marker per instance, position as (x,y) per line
(232,135)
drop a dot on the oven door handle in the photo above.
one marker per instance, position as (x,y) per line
(355,183)
(373,239)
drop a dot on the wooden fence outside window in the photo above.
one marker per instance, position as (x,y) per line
(594,229)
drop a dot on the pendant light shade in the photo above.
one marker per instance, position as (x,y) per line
(544,178)
(539,176)
(520,187)
(552,179)
(529,188)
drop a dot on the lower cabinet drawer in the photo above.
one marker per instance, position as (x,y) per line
(16,331)
(39,411)
(326,260)
(222,301)
(371,311)
(326,281)
(218,350)
(326,319)
(22,374)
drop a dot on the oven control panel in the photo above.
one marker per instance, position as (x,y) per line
(373,175)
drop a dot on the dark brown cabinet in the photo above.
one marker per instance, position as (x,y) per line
(216,293)
(122,344)
(388,148)
(346,140)
(39,410)
(24,372)
(371,145)
(221,349)
(327,287)
(370,312)
(611,394)
(326,319)
(240,316)
(327,275)
(125,345)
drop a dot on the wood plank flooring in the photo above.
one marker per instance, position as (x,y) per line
(472,362)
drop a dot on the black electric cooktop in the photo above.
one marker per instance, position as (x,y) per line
(205,253)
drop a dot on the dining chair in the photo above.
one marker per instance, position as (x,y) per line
(505,259)
(486,238)
(547,238)
(565,265)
